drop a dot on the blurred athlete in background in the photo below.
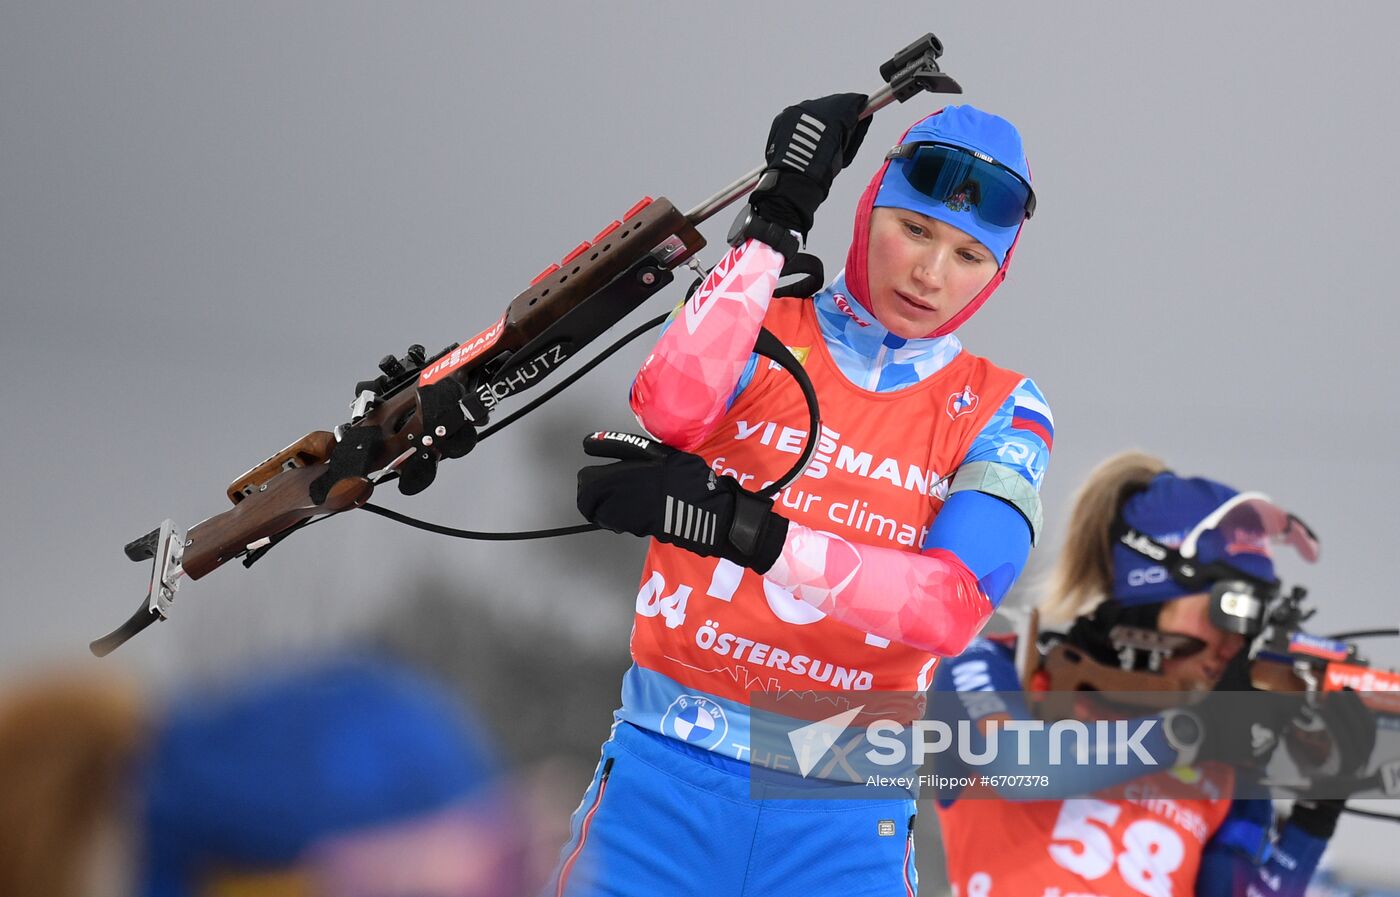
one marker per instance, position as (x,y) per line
(1144,549)
(347,776)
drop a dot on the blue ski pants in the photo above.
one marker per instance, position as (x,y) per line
(663,817)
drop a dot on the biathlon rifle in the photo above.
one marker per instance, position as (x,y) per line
(413,414)
(1287,658)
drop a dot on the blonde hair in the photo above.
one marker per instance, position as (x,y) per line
(67,744)
(1082,577)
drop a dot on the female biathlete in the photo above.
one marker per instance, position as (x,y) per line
(913,519)
(1143,551)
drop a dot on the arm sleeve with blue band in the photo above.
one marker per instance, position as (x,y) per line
(988,535)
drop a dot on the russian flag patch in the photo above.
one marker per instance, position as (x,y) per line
(1033,416)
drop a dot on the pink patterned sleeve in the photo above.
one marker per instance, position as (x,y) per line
(929,600)
(683,387)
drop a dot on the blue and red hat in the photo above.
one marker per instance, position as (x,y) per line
(989,141)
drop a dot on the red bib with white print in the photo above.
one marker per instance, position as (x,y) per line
(879,476)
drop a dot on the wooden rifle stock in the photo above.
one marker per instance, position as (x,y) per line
(548,320)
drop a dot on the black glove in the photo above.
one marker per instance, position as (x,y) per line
(655,490)
(1348,727)
(447,432)
(1239,728)
(1317,817)
(807,145)
(1333,737)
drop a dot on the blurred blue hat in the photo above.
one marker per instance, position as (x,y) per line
(254,777)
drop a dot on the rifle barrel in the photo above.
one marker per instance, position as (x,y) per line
(721,200)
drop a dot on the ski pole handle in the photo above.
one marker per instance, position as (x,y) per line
(911,70)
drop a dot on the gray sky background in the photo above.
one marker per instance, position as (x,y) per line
(214,219)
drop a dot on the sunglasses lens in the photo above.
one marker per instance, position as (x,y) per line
(950,175)
(937,172)
(1001,204)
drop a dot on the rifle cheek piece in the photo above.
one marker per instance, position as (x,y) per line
(1071,670)
(348,493)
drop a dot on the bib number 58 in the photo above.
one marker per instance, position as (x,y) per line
(1148,855)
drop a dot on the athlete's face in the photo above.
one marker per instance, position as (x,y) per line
(922,272)
(1191,616)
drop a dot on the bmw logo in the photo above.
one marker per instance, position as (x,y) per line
(695,720)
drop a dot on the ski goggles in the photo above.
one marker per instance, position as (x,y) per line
(963,178)
(1249,523)
(1244,527)
(1229,554)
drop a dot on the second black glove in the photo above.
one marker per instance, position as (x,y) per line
(674,496)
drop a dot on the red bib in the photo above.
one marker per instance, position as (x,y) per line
(879,476)
(1132,842)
